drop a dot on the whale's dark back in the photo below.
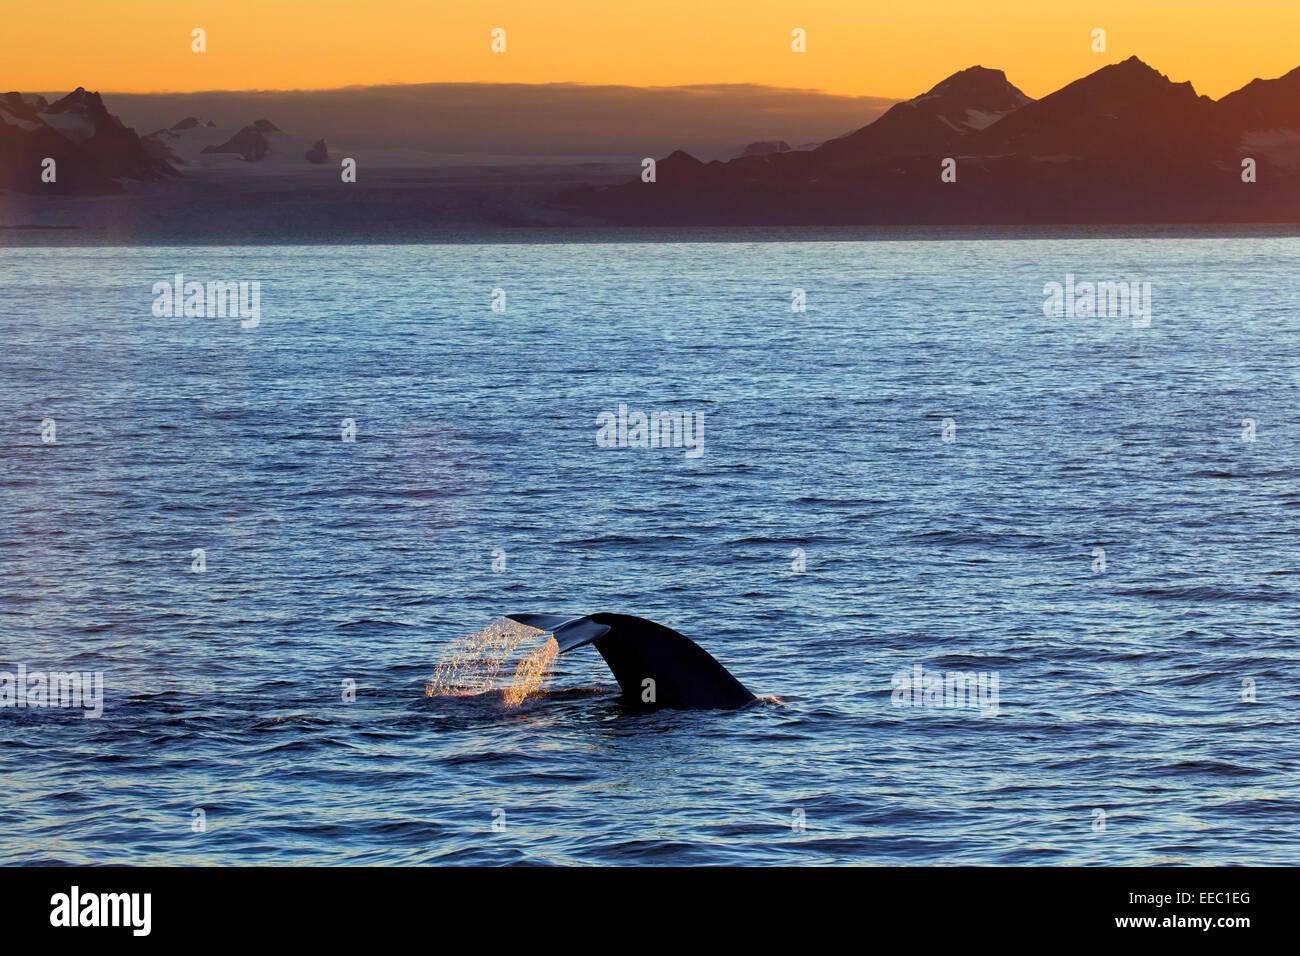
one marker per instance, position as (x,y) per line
(684,674)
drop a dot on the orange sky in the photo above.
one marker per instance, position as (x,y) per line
(893,49)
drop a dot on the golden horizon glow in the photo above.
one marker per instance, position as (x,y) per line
(852,48)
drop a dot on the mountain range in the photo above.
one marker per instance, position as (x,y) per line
(1123,144)
(95,152)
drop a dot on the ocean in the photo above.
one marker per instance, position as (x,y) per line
(262,536)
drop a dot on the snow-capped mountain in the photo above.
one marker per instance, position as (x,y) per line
(91,148)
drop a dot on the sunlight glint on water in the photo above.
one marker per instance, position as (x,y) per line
(470,664)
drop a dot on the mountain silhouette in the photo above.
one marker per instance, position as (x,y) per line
(91,148)
(1123,144)
(253,142)
(940,119)
(1119,114)
(1263,105)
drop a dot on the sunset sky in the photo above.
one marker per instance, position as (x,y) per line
(878,49)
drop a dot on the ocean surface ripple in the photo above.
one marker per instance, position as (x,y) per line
(1121,736)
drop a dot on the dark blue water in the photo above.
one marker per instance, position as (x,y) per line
(1120,691)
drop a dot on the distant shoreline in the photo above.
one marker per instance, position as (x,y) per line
(38,236)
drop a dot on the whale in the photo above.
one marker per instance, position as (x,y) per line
(654,665)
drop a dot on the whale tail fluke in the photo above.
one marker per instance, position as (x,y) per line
(568,632)
(654,665)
